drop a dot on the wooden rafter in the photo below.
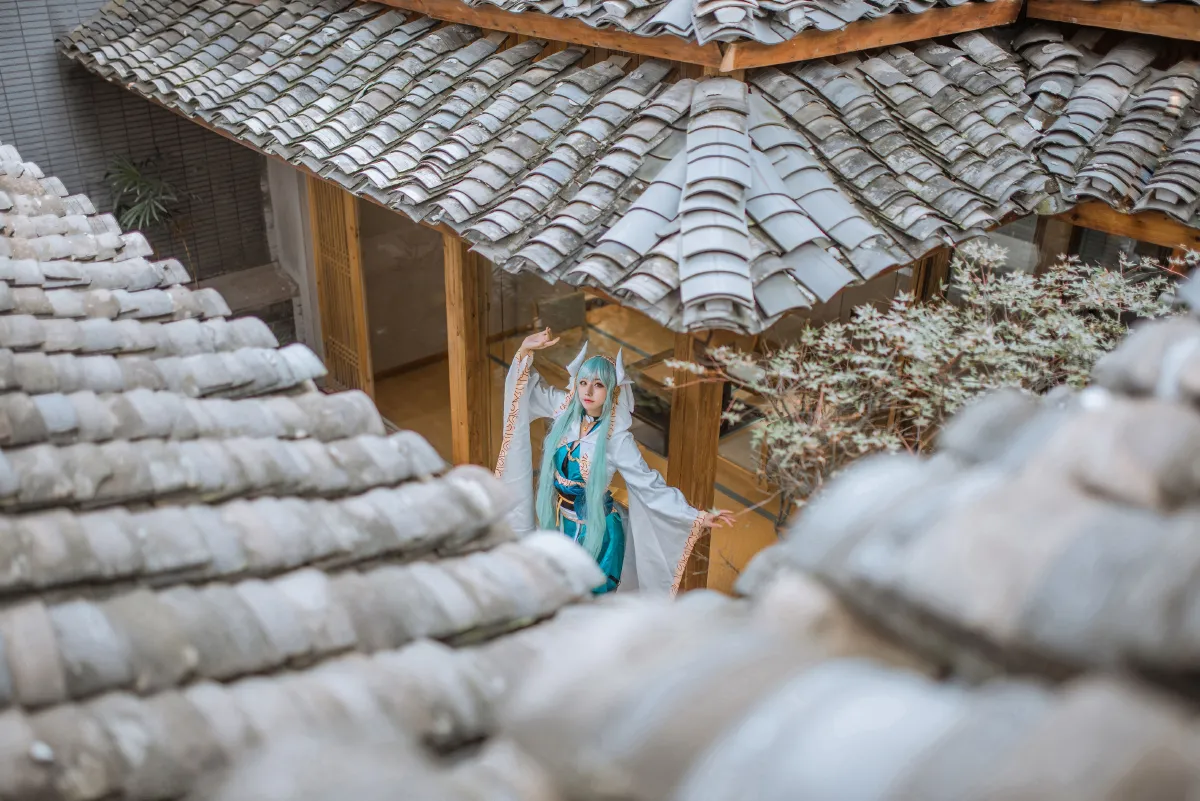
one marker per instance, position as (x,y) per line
(1147,226)
(886,30)
(543,26)
(1174,20)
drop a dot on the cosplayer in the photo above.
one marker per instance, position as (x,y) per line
(589,441)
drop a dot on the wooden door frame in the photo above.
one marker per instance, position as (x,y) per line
(931,274)
(1146,226)
(333,312)
(467,299)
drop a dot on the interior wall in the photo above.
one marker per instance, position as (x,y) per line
(405,286)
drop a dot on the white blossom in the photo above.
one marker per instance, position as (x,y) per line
(887,379)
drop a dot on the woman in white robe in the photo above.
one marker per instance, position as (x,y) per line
(590,428)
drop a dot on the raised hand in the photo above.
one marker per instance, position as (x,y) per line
(718,518)
(538,340)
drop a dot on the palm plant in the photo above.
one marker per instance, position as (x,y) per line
(142,199)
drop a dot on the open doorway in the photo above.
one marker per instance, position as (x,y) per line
(403,361)
(405,294)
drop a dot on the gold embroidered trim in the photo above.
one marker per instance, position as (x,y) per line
(585,466)
(689,546)
(567,481)
(612,421)
(566,402)
(510,423)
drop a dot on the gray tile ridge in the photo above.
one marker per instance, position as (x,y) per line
(150,641)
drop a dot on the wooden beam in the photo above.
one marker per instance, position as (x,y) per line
(1147,226)
(544,26)
(692,450)
(1173,20)
(887,30)
(466,347)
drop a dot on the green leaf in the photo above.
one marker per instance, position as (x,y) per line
(142,199)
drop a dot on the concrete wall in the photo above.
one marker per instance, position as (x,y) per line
(72,124)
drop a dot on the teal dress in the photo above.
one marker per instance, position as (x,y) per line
(571,514)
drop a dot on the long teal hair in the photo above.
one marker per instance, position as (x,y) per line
(568,421)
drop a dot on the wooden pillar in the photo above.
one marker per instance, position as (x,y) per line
(692,450)
(466,345)
(1054,238)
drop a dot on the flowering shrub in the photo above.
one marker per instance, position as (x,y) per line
(886,380)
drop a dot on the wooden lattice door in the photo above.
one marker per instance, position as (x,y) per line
(333,216)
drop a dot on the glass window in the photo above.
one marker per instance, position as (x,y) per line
(1107,249)
(1018,238)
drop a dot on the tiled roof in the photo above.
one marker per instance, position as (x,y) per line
(199,549)
(783,698)
(716,699)
(1077,510)
(1011,618)
(1117,128)
(765,21)
(377,765)
(706,203)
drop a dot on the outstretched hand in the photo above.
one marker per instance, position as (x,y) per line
(718,519)
(538,340)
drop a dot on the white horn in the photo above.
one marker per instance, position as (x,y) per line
(620,365)
(573,367)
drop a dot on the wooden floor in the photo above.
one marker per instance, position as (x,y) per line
(419,400)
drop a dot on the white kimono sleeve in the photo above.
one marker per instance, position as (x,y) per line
(526,398)
(663,528)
